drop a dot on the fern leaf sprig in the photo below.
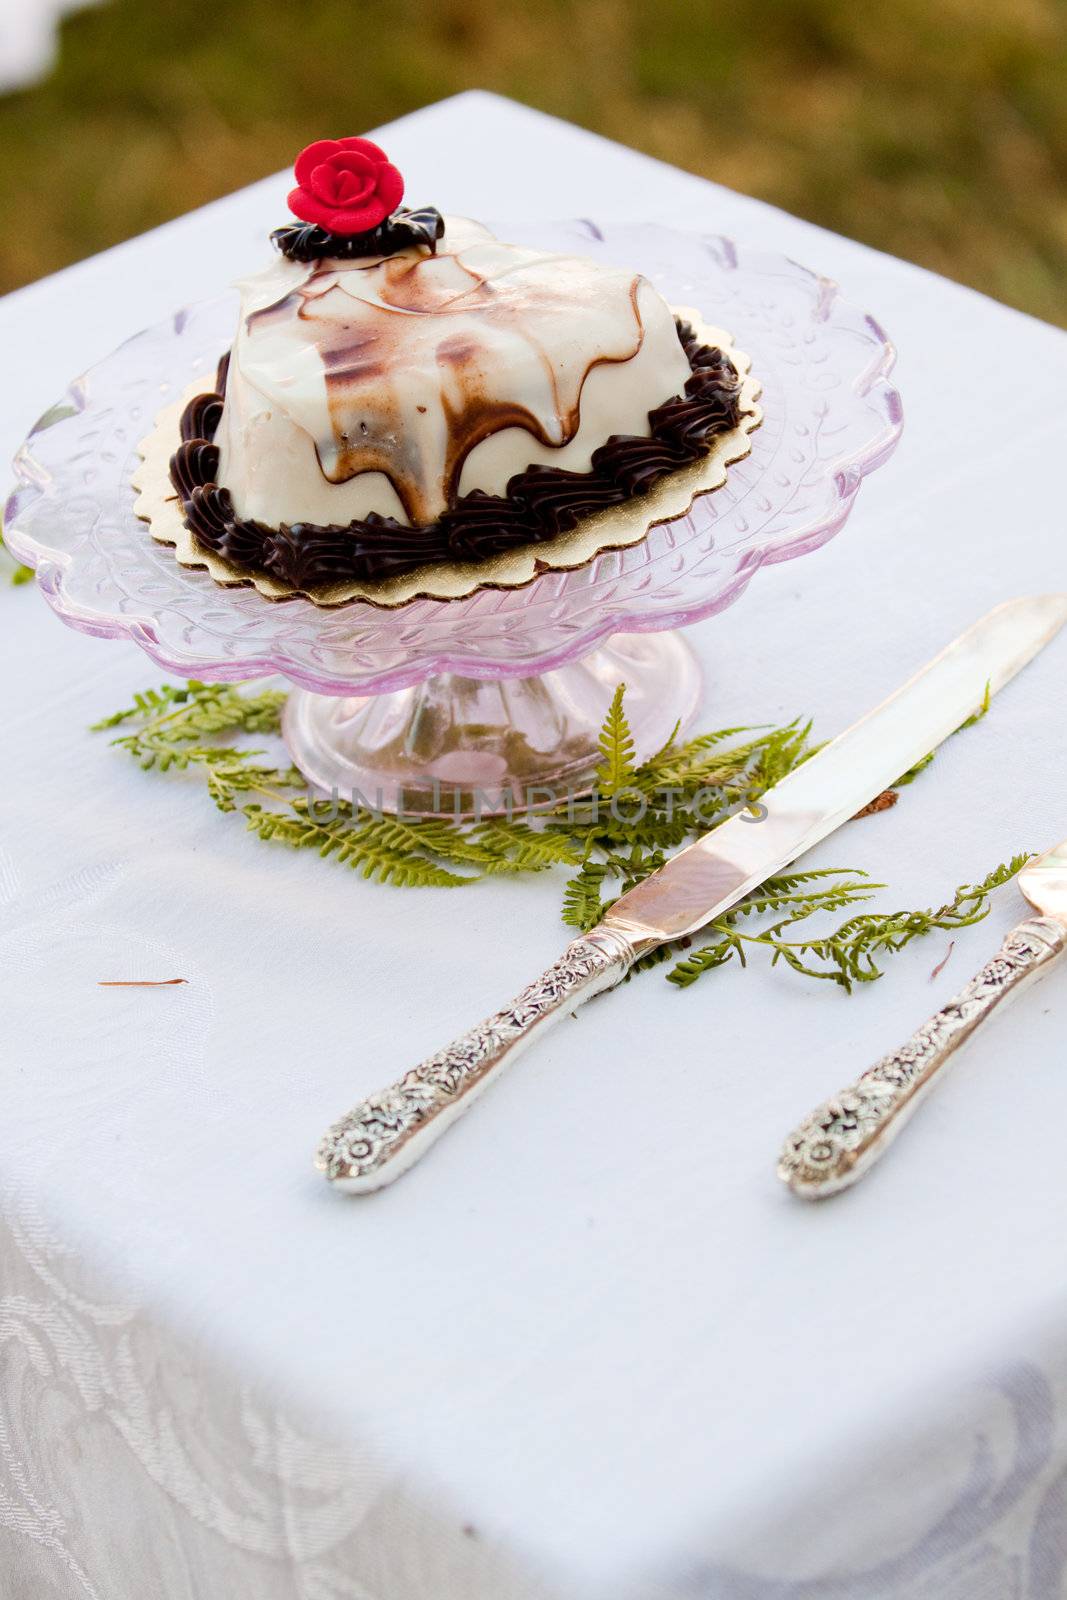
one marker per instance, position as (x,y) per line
(613,841)
(365,847)
(526,849)
(850,955)
(616,748)
(582,904)
(180,714)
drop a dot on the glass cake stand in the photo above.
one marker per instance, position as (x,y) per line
(422,706)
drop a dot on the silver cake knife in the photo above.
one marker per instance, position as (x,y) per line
(842,1139)
(385,1134)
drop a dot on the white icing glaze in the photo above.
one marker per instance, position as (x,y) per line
(388,385)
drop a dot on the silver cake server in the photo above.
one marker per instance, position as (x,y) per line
(386,1133)
(842,1139)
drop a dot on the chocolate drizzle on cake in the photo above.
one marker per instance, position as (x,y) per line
(540,502)
(304,241)
(469,331)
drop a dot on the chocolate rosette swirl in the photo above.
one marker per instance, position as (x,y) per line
(402,231)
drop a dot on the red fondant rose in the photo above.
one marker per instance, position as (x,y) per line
(345,185)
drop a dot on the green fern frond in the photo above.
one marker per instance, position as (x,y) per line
(913,772)
(364,847)
(528,849)
(582,905)
(641,812)
(850,955)
(616,743)
(983,710)
(784,750)
(706,959)
(433,836)
(803,904)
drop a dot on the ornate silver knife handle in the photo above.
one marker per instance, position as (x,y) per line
(386,1133)
(842,1139)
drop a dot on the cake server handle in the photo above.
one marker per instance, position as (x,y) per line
(843,1138)
(385,1134)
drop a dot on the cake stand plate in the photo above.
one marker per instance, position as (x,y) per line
(420,706)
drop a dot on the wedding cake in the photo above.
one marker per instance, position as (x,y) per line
(405,390)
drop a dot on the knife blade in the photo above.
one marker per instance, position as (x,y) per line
(385,1134)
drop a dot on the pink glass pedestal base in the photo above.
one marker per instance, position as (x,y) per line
(454,746)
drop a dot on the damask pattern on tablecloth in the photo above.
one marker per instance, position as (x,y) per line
(1002,1536)
(129,1467)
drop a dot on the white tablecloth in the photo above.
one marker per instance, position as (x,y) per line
(599,1354)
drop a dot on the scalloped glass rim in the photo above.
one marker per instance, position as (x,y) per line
(830,417)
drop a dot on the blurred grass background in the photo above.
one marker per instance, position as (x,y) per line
(936,129)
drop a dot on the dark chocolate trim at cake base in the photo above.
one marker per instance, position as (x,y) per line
(540,502)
